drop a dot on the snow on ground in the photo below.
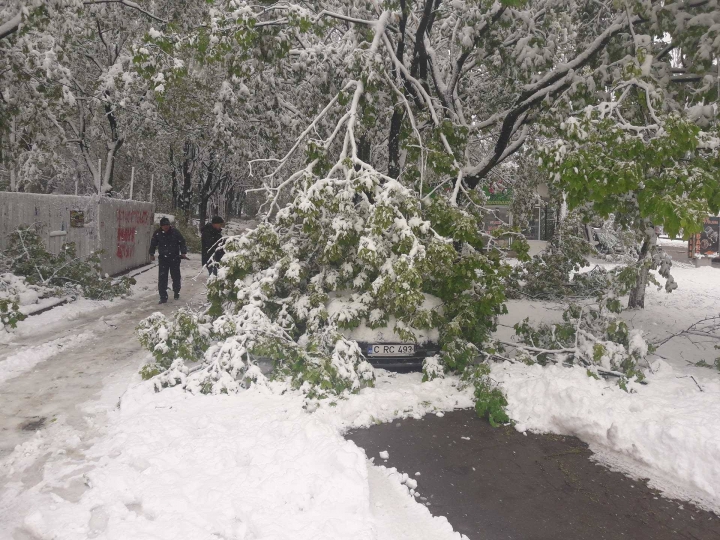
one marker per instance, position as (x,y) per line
(259,465)
(43,393)
(397,515)
(248,466)
(36,327)
(238,226)
(29,357)
(668,430)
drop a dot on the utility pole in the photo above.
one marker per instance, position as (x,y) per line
(99,178)
(13,140)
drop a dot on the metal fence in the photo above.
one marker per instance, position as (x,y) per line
(120,228)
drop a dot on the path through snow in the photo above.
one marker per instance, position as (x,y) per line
(62,358)
(104,456)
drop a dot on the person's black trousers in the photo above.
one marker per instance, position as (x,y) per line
(166,266)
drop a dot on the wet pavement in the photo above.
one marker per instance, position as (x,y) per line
(496,483)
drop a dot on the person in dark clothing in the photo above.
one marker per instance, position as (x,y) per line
(211,235)
(171,247)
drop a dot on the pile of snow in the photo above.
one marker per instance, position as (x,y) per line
(245,466)
(17,287)
(237,227)
(674,242)
(667,430)
(397,515)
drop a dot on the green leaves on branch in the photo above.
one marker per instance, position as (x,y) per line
(588,336)
(29,258)
(668,180)
(490,402)
(10,313)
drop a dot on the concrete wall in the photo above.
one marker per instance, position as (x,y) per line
(125,231)
(51,216)
(122,229)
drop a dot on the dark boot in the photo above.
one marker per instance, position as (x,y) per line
(177,296)
(163,301)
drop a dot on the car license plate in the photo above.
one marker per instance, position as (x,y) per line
(380,349)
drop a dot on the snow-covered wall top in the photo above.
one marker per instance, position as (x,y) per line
(120,228)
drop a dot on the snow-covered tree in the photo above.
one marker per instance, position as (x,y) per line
(69,80)
(420,102)
(646,149)
(354,246)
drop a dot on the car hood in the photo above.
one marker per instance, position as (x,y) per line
(343,306)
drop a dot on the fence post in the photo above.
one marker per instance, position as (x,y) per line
(132,181)
(152,181)
(99,180)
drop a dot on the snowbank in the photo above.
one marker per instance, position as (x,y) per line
(247,466)
(668,429)
(395,396)
(398,515)
(12,286)
(674,242)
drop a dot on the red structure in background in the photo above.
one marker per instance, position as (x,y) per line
(708,241)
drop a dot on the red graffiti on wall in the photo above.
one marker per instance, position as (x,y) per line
(133,217)
(127,222)
(125,242)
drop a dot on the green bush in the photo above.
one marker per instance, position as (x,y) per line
(490,402)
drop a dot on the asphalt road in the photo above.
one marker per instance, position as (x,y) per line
(496,483)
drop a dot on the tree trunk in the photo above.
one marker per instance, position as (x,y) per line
(240,203)
(206,190)
(202,211)
(189,157)
(113,146)
(108,174)
(637,294)
(364,148)
(394,142)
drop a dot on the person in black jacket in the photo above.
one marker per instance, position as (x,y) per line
(171,247)
(211,235)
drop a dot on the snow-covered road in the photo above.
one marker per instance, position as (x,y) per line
(65,373)
(254,465)
(62,358)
